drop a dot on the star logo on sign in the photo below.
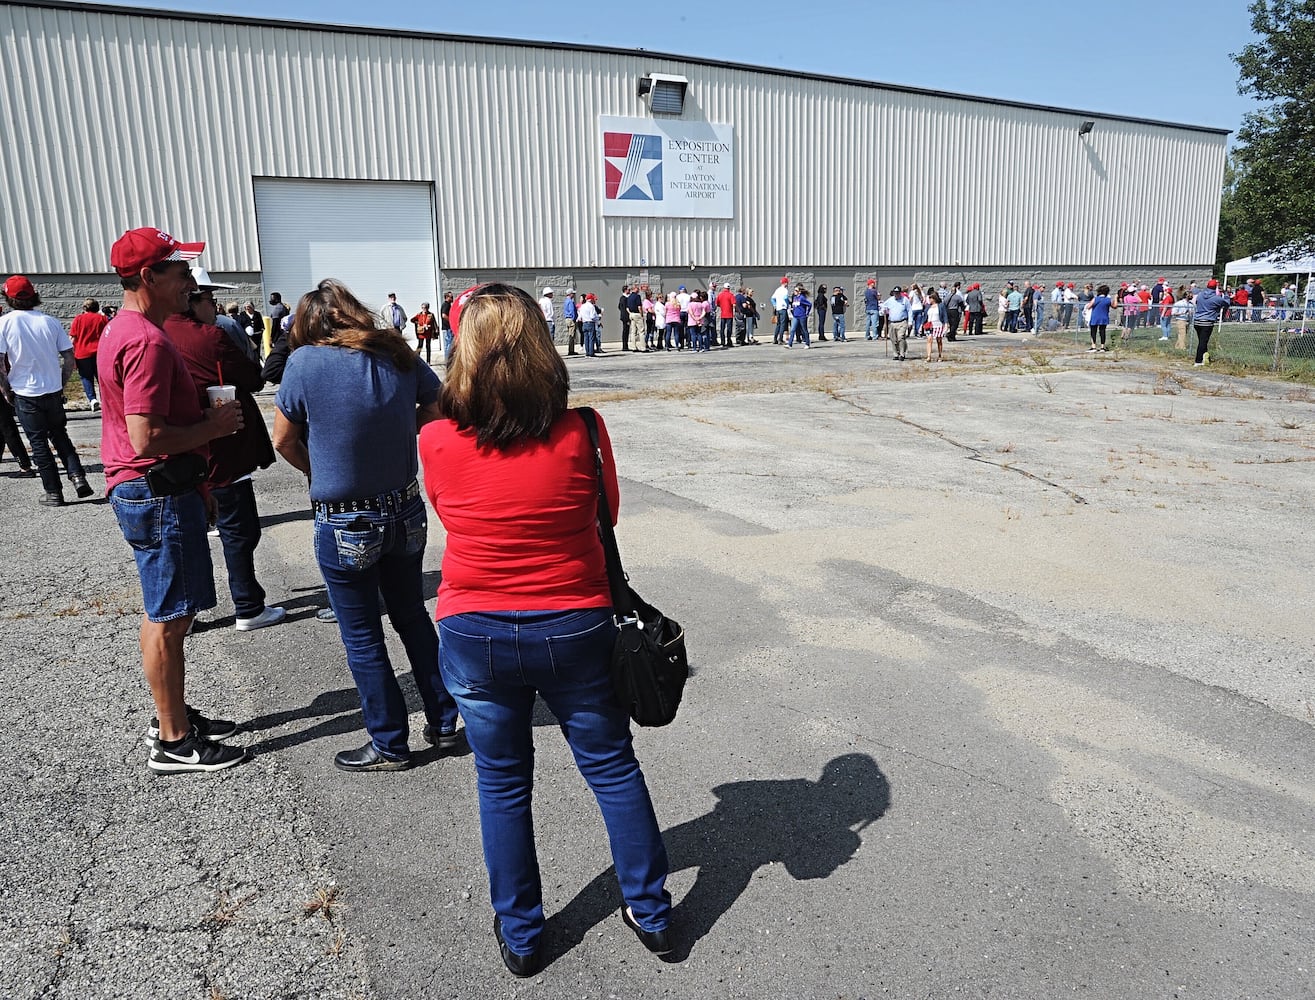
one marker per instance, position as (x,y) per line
(632,166)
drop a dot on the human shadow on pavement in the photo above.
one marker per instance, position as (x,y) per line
(298,514)
(810,827)
(340,715)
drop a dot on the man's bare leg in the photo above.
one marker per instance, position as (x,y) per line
(162,662)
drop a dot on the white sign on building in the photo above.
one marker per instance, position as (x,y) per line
(667,169)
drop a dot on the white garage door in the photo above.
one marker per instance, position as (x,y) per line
(374,236)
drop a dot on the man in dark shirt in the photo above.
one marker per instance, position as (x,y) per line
(633,305)
(623,310)
(212,359)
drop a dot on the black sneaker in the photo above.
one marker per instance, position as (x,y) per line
(194,754)
(207,729)
(82,487)
(442,739)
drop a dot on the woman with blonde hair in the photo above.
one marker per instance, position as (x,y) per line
(352,399)
(524,609)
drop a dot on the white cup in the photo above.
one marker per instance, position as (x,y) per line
(221,394)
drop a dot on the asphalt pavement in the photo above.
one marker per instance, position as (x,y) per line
(1002,686)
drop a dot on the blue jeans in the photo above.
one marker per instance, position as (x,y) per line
(838,326)
(1040,319)
(362,555)
(874,325)
(46,426)
(87,373)
(239,533)
(493,665)
(590,338)
(799,326)
(167,536)
(782,322)
(916,318)
(1166,319)
(447,346)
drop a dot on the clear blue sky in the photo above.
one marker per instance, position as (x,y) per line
(1162,59)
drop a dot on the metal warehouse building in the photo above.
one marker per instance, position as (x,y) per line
(418,162)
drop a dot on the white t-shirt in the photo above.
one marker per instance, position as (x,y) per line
(33,342)
(545,304)
(683,298)
(780,298)
(588,312)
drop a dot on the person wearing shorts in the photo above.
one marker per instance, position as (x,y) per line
(936,334)
(152,416)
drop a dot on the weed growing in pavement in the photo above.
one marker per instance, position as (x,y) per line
(339,942)
(1040,359)
(324,902)
(226,909)
(1044,384)
(1289,425)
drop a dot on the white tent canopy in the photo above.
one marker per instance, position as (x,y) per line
(1281,260)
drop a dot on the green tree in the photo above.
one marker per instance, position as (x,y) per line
(1269,188)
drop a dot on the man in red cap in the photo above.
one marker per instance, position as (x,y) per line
(154,438)
(37,354)
(1210,308)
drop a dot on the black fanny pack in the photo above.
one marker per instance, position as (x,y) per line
(176,475)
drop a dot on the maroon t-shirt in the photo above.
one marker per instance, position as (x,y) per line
(140,372)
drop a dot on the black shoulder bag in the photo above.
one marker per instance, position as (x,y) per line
(649,662)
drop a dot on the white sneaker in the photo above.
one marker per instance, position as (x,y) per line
(95,405)
(1164,338)
(212,533)
(1092,349)
(270,616)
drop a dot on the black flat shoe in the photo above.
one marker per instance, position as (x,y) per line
(658,942)
(521,966)
(367,758)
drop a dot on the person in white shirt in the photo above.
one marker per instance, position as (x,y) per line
(781,307)
(683,298)
(37,355)
(588,317)
(549,311)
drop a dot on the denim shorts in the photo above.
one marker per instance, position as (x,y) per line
(168,539)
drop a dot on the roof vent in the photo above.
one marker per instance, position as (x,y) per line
(665,94)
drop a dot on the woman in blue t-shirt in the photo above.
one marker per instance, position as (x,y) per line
(1100,318)
(352,399)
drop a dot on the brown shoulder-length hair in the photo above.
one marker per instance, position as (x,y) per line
(506,379)
(331,316)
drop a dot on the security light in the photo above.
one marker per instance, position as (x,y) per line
(1085,129)
(665,94)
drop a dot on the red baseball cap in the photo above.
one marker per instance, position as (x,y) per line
(1071,285)
(138,248)
(1212,283)
(459,303)
(18,287)
(785,281)
(872,281)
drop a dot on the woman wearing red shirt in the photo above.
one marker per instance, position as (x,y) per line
(524,607)
(85,334)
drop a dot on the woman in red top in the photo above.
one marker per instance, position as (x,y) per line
(524,607)
(85,334)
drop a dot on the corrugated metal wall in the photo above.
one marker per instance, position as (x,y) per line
(121,119)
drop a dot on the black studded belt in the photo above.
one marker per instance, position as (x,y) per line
(384,503)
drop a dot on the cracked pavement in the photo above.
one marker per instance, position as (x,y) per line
(1003,686)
